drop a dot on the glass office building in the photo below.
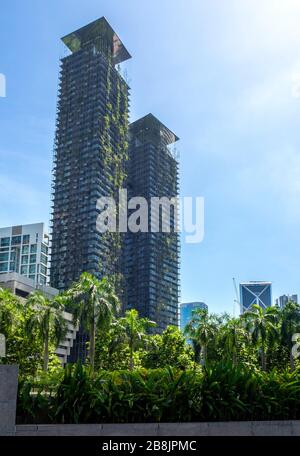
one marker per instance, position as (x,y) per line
(259,293)
(24,249)
(186,312)
(284,299)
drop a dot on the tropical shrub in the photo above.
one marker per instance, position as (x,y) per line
(220,392)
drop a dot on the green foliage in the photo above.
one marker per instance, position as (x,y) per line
(93,303)
(219,392)
(262,326)
(8,307)
(134,330)
(112,350)
(46,322)
(202,330)
(169,349)
(22,347)
(247,372)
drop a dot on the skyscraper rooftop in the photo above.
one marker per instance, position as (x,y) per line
(101,34)
(150,123)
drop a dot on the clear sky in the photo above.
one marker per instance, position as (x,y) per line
(224,75)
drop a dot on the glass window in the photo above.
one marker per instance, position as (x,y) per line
(5,242)
(43,269)
(44,249)
(12,266)
(16,240)
(32,269)
(42,280)
(26,238)
(25,249)
(12,256)
(3,267)
(4,256)
(24,270)
(43,258)
(33,248)
(32,258)
(24,259)
(32,277)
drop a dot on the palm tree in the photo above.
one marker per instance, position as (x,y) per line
(201,330)
(289,325)
(231,337)
(135,330)
(93,303)
(47,321)
(262,327)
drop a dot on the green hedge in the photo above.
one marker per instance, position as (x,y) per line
(219,393)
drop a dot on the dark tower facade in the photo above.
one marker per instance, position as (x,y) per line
(151,259)
(90,151)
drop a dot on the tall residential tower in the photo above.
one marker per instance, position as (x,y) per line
(90,151)
(152,258)
(96,154)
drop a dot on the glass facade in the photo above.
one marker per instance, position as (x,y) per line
(21,253)
(186,312)
(255,293)
(284,299)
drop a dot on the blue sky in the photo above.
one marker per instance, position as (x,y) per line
(224,76)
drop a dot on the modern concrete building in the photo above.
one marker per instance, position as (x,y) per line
(22,286)
(24,249)
(186,312)
(151,258)
(89,156)
(284,299)
(92,160)
(90,151)
(259,293)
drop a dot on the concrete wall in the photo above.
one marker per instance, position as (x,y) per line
(245,428)
(8,398)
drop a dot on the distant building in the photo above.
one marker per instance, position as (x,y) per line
(186,310)
(22,287)
(24,250)
(284,299)
(255,293)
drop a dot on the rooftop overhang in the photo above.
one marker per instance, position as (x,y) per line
(150,122)
(91,33)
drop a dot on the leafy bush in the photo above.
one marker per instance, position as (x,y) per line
(218,393)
